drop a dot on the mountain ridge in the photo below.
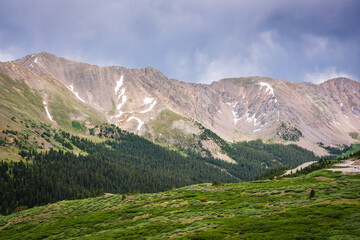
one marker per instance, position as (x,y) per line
(235,108)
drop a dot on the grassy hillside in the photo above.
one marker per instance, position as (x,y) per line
(280,209)
(20,103)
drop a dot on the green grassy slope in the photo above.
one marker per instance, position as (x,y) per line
(279,209)
(20,102)
(22,112)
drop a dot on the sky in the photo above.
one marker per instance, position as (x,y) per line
(198,41)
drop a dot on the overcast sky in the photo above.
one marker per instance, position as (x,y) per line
(192,40)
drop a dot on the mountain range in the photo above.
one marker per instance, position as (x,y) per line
(169,111)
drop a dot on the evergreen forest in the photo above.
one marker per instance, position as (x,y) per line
(124,162)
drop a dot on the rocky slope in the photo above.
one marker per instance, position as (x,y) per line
(236,109)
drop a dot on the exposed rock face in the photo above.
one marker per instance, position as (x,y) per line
(236,109)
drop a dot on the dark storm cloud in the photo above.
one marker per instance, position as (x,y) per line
(198,41)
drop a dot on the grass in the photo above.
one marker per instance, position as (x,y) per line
(162,131)
(112,111)
(164,120)
(354,135)
(249,81)
(279,209)
(77,125)
(244,81)
(22,109)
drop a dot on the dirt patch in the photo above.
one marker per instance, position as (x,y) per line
(347,163)
(187,127)
(347,201)
(356,163)
(189,232)
(325,178)
(304,165)
(345,170)
(191,220)
(215,150)
(159,218)
(140,217)
(176,205)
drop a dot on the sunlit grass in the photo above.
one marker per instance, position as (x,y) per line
(279,209)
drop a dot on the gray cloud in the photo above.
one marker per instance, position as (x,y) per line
(197,41)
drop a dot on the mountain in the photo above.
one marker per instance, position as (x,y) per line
(60,139)
(148,103)
(54,145)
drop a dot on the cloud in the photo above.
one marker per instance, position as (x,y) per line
(315,45)
(6,56)
(318,77)
(251,60)
(194,41)
(226,68)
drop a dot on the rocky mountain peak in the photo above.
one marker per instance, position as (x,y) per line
(235,108)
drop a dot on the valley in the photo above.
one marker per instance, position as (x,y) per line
(129,153)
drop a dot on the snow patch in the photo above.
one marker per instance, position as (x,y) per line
(341,104)
(148,100)
(47,111)
(137,119)
(149,109)
(122,97)
(122,92)
(256,130)
(123,100)
(250,119)
(71,87)
(119,115)
(36,60)
(346,116)
(119,83)
(268,87)
(236,119)
(232,104)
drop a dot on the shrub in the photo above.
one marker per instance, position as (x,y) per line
(80,196)
(76,125)
(97,193)
(215,183)
(21,208)
(312,193)
(123,197)
(354,135)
